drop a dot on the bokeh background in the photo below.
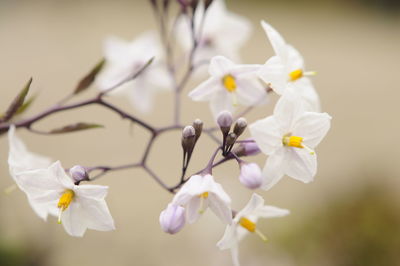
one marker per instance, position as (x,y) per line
(349,216)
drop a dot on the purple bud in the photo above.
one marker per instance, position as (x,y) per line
(224,121)
(172,219)
(250,175)
(78,173)
(240,126)
(247,148)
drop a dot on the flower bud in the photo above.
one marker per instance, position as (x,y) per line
(247,148)
(224,121)
(172,219)
(198,127)
(188,137)
(230,140)
(240,126)
(78,173)
(250,175)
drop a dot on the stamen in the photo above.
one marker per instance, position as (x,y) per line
(310,73)
(234,99)
(297,142)
(296,74)
(251,227)
(65,200)
(229,83)
(203,197)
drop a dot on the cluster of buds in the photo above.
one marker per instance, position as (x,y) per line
(224,121)
(190,136)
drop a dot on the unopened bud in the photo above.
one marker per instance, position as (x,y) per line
(250,175)
(198,128)
(240,126)
(172,219)
(188,137)
(224,121)
(78,173)
(230,140)
(249,148)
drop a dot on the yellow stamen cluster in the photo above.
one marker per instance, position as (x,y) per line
(293,141)
(229,83)
(249,225)
(65,200)
(204,195)
(296,74)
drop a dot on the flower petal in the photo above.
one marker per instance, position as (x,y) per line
(288,108)
(222,101)
(271,212)
(73,220)
(267,134)
(220,208)
(277,41)
(192,209)
(312,127)
(205,90)
(220,66)
(255,202)
(229,238)
(273,72)
(300,164)
(274,169)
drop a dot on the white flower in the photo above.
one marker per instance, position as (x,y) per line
(229,85)
(286,68)
(201,192)
(245,222)
(51,191)
(172,219)
(289,137)
(124,59)
(223,32)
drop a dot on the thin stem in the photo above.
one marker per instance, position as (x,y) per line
(156,178)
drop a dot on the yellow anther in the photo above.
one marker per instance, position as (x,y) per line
(229,83)
(296,74)
(65,200)
(204,195)
(249,225)
(293,141)
(297,142)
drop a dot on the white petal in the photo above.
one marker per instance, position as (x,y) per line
(271,212)
(312,127)
(305,89)
(141,95)
(277,41)
(206,90)
(254,203)
(97,214)
(57,171)
(235,255)
(95,192)
(250,91)
(36,182)
(274,169)
(273,72)
(294,60)
(300,164)
(220,66)
(20,159)
(73,220)
(115,49)
(220,208)
(268,134)
(288,108)
(229,238)
(222,101)
(192,209)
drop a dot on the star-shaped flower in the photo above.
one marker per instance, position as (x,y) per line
(245,221)
(229,85)
(201,192)
(222,33)
(124,59)
(289,137)
(287,68)
(51,191)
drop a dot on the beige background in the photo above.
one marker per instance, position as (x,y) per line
(354,49)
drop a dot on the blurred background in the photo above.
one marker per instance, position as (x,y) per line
(349,216)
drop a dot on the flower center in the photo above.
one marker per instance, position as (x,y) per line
(296,74)
(297,142)
(229,83)
(251,227)
(204,195)
(65,200)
